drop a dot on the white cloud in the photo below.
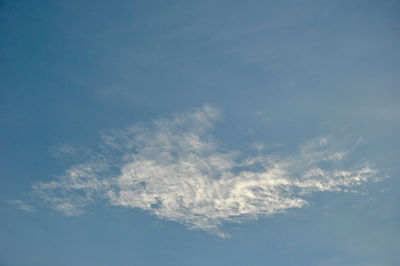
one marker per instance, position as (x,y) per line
(176,170)
(21,205)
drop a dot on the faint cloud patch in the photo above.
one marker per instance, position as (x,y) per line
(60,151)
(21,205)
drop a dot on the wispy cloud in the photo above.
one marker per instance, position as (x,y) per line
(63,150)
(21,205)
(175,169)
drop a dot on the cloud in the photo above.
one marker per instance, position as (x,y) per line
(175,169)
(63,150)
(21,205)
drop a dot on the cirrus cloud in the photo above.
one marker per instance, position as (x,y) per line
(174,168)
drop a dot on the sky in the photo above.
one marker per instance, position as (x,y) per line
(199,132)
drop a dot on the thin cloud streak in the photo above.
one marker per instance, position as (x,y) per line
(21,205)
(174,169)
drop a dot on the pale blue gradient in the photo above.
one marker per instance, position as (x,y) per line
(281,72)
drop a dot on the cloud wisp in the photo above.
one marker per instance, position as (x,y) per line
(175,169)
(21,205)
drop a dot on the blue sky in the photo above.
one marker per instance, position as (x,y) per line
(199,133)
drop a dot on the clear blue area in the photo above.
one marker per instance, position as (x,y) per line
(282,72)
